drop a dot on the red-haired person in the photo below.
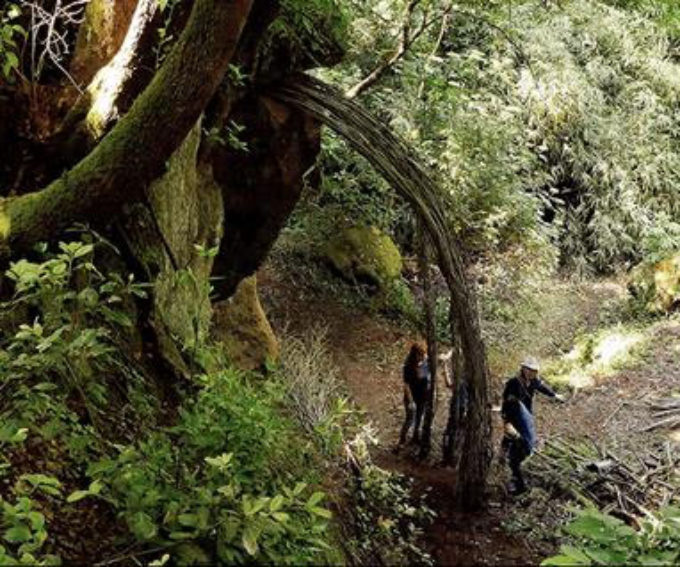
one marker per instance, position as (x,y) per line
(417,384)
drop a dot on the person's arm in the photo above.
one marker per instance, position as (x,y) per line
(541,386)
(407,394)
(546,390)
(407,389)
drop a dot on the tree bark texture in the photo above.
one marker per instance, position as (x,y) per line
(133,154)
(261,185)
(100,36)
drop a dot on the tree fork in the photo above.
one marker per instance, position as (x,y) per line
(133,153)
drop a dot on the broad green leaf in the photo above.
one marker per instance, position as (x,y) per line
(142,526)
(18,534)
(249,541)
(320,512)
(315,498)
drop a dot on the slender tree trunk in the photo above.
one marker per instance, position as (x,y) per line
(431,336)
(100,36)
(133,153)
(114,87)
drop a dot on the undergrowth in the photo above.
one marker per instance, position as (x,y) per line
(245,468)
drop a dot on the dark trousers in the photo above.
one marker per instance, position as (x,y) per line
(516,451)
(414,417)
(452,424)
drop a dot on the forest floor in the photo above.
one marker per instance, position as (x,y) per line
(369,352)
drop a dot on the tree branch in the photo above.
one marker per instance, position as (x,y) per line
(405,41)
(135,151)
(112,90)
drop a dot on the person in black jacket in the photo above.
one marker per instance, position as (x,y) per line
(517,411)
(417,384)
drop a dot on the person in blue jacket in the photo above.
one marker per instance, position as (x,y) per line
(519,439)
(417,384)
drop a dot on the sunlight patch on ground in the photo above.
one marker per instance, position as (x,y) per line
(598,355)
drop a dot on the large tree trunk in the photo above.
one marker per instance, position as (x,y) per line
(261,185)
(100,36)
(115,86)
(133,154)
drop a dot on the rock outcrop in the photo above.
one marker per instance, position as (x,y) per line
(365,254)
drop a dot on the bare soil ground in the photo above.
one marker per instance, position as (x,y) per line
(370,352)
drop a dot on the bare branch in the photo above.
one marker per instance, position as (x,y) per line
(49,36)
(407,37)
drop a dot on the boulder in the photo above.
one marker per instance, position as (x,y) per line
(657,285)
(240,324)
(365,254)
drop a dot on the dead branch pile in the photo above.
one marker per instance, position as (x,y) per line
(591,474)
(666,414)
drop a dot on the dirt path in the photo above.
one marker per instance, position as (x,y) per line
(370,352)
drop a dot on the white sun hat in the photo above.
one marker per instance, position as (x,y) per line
(531,363)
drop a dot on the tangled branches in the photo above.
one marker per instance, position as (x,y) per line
(591,474)
(50,28)
(666,414)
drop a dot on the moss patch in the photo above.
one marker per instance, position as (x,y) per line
(365,254)
(657,285)
(241,325)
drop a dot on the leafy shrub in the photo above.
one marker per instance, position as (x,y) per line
(10,31)
(388,521)
(601,539)
(79,314)
(228,483)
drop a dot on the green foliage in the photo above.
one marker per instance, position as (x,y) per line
(316,27)
(522,111)
(78,313)
(227,136)
(10,31)
(234,479)
(24,534)
(388,520)
(601,539)
(23,528)
(227,483)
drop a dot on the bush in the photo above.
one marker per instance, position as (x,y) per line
(601,539)
(230,483)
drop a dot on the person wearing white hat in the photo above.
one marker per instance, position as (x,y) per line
(517,411)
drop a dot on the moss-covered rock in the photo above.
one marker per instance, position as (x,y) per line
(365,254)
(657,285)
(241,325)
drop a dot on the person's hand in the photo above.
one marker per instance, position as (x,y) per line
(511,432)
(559,398)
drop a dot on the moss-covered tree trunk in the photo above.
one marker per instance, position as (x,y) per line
(120,168)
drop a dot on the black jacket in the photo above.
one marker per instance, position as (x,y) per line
(516,391)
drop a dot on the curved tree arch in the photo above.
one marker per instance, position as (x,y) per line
(395,161)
